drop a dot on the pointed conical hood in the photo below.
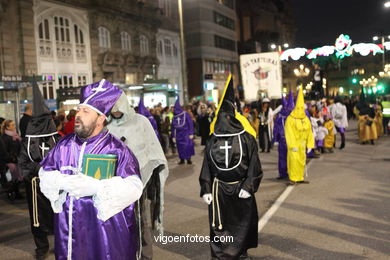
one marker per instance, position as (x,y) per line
(362,96)
(290,102)
(299,110)
(177,109)
(227,120)
(142,109)
(41,122)
(284,111)
(39,105)
(284,102)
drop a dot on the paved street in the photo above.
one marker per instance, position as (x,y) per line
(341,214)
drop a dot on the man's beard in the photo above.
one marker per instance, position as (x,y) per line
(84,131)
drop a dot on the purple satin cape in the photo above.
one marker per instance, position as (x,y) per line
(182,128)
(92,238)
(282,147)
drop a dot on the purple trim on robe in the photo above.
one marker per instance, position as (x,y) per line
(340,129)
(319,143)
(92,238)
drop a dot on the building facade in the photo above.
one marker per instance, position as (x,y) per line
(168,46)
(210,44)
(76,42)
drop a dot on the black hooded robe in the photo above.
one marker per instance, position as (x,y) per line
(223,175)
(41,136)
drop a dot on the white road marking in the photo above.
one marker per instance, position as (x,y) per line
(271,211)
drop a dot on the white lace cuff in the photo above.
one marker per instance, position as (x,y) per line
(50,185)
(116,194)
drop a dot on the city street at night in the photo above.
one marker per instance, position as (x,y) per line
(341,214)
(194,129)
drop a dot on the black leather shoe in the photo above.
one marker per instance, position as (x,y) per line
(189,162)
(181,162)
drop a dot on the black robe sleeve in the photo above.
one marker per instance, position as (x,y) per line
(255,173)
(29,168)
(205,178)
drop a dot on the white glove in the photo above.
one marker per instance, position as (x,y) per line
(243,194)
(81,185)
(191,137)
(174,140)
(309,150)
(208,198)
(51,183)
(294,149)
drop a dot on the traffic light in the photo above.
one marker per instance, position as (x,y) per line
(354,81)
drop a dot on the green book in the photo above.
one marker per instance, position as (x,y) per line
(99,166)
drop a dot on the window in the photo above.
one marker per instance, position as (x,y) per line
(79,40)
(104,38)
(82,80)
(224,21)
(212,67)
(47,86)
(144,45)
(168,47)
(65,81)
(44,39)
(159,48)
(44,30)
(165,7)
(224,43)
(78,35)
(125,41)
(228,3)
(61,27)
(174,49)
(62,35)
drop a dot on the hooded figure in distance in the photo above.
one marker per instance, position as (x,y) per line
(279,135)
(183,133)
(299,137)
(230,176)
(41,136)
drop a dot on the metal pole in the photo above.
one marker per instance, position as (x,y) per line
(17,109)
(183,53)
(384,51)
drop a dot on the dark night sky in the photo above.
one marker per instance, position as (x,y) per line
(319,22)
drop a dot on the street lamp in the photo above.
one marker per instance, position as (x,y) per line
(302,71)
(387,4)
(278,46)
(375,38)
(386,72)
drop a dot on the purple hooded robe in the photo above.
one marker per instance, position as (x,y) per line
(142,110)
(92,238)
(182,128)
(279,134)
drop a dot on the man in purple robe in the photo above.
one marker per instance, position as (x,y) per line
(279,136)
(183,133)
(142,110)
(94,219)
